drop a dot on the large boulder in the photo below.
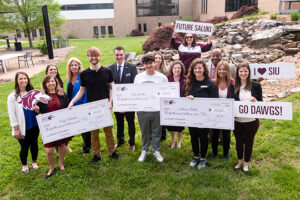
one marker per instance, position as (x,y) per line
(260,39)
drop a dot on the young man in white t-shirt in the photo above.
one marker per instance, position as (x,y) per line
(150,121)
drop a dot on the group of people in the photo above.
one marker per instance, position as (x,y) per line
(196,79)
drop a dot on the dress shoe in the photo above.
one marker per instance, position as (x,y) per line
(26,171)
(132,148)
(95,160)
(47,176)
(114,155)
(245,171)
(236,169)
(227,157)
(119,144)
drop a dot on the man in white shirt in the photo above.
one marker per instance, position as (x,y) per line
(150,121)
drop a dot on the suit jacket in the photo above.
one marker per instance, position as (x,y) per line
(128,75)
(256,92)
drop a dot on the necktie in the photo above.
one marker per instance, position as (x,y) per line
(119,72)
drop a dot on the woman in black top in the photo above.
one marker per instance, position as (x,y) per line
(245,128)
(225,87)
(198,84)
(58,101)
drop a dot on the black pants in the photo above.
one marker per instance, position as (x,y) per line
(196,134)
(244,134)
(120,127)
(215,141)
(86,146)
(163,132)
(30,141)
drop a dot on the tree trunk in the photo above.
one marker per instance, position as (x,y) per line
(29,37)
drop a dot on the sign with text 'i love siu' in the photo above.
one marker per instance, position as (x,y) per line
(194,27)
(264,110)
(273,70)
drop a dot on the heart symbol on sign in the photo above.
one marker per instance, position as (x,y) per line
(261,70)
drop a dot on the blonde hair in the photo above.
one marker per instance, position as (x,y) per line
(69,72)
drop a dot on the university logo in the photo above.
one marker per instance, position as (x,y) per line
(32,97)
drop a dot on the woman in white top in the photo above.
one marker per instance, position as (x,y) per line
(225,87)
(245,128)
(23,121)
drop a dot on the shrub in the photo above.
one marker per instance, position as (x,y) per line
(2,37)
(245,10)
(295,16)
(159,38)
(43,48)
(103,36)
(111,35)
(273,16)
(58,36)
(188,18)
(136,32)
(70,36)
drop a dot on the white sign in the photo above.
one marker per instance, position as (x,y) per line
(265,110)
(142,97)
(273,70)
(213,113)
(69,122)
(194,27)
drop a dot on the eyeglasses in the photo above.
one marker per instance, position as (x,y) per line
(189,37)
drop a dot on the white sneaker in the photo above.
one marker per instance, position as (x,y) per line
(158,157)
(143,155)
(194,162)
(202,163)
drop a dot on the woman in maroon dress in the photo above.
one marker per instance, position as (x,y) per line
(51,87)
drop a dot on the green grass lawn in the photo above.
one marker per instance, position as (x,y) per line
(274,172)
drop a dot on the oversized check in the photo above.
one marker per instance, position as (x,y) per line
(142,97)
(265,110)
(201,112)
(273,70)
(194,27)
(69,122)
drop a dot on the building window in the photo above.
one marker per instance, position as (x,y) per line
(145,27)
(34,33)
(203,6)
(157,8)
(96,31)
(18,33)
(88,6)
(234,5)
(42,33)
(159,24)
(140,27)
(110,30)
(103,31)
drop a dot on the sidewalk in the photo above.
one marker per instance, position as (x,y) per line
(40,62)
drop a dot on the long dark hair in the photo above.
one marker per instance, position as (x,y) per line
(58,89)
(238,83)
(191,78)
(61,83)
(194,40)
(29,86)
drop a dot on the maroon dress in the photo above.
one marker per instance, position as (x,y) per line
(54,105)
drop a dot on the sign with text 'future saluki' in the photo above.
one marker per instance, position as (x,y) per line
(194,27)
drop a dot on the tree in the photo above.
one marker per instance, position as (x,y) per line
(26,15)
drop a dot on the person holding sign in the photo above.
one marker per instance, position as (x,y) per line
(245,128)
(95,81)
(74,67)
(59,100)
(150,121)
(124,72)
(225,87)
(189,49)
(177,72)
(23,121)
(198,84)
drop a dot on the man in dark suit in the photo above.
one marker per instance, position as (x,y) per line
(124,72)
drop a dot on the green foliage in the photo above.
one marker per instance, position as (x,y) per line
(59,36)
(262,12)
(27,15)
(71,36)
(295,16)
(111,35)
(103,36)
(2,37)
(274,172)
(43,47)
(273,16)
